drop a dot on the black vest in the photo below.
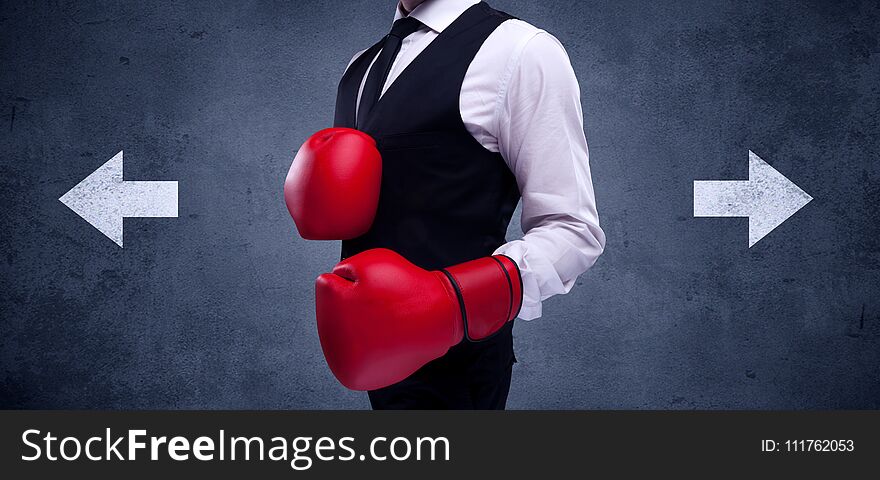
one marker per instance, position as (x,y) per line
(444,199)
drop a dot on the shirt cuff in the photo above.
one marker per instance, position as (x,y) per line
(539,276)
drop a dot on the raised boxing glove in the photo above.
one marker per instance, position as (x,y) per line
(381,318)
(332,187)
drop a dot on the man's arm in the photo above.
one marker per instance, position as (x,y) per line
(539,127)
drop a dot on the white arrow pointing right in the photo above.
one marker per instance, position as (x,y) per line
(767,198)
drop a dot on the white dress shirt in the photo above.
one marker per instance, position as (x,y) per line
(520,97)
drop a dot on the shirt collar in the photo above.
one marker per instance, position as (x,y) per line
(437,14)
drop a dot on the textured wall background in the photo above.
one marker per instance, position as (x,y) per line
(214,309)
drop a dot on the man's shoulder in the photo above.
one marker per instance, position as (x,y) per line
(515,32)
(520,38)
(355,57)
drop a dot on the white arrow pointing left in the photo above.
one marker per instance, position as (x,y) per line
(103,199)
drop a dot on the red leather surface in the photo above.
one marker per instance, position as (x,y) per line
(380,318)
(332,187)
(491,297)
(515,283)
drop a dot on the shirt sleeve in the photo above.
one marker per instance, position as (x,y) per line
(540,132)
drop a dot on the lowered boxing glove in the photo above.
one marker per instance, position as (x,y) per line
(332,187)
(381,318)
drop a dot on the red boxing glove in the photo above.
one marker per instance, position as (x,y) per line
(332,187)
(381,318)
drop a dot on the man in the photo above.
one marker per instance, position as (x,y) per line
(470,110)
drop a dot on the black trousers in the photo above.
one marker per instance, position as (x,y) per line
(471,376)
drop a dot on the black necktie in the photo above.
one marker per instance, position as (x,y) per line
(379,71)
